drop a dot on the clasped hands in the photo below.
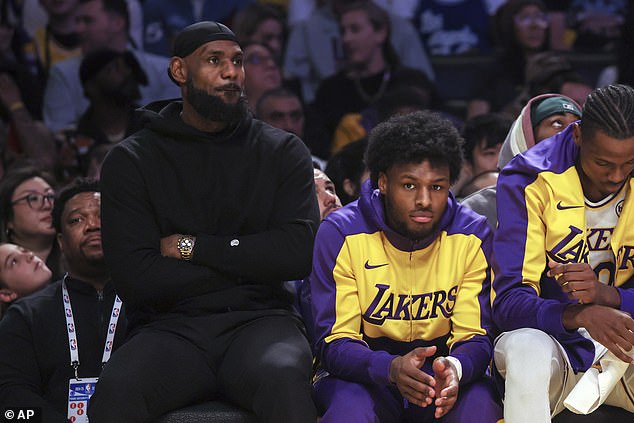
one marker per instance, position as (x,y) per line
(422,389)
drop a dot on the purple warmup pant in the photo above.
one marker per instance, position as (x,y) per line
(339,401)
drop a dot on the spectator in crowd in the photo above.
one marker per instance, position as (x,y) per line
(328,202)
(33,16)
(57,40)
(486,179)
(558,33)
(326,192)
(348,171)
(28,139)
(483,137)
(596,25)
(372,66)
(202,267)
(26,203)
(450,28)
(549,72)
(21,273)
(299,10)
(35,367)
(18,60)
(403,8)
(623,71)
(111,82)
(541,118)
(314,49)
(261,72)
(391,354)
(521,31)
(282,108)
(101,24)
(262,24)
(21,86)
(565,303)
(163,19)
(413,91)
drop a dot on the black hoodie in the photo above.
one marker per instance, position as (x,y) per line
(248,196)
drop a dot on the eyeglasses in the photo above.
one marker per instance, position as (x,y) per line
(35,200)
(540,20)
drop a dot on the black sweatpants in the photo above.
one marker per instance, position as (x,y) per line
(259,360)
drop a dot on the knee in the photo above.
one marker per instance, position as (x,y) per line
(335,398)
(527,354)
(286,365)
(111,403)
(114,376)
(480,395)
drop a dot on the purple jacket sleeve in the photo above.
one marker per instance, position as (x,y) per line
(338,343)
(517,246)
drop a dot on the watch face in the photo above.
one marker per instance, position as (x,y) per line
(185,244)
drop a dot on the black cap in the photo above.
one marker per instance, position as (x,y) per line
(95,61)
(195,35)
(553,106)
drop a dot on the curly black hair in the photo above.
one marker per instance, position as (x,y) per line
(347,163)
(412,138)
(78,186)
(486,130)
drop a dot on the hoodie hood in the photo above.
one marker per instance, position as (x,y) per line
(164,118)
(371,206)
(521,136)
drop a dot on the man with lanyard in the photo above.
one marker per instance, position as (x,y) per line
(563,260)
(37,370)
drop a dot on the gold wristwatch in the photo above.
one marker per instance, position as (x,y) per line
(185,245)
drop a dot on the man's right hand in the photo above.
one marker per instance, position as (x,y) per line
(613,328)
(415,385)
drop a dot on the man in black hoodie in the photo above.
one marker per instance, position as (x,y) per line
(206,212)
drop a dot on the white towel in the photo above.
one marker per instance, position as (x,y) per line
(594,387)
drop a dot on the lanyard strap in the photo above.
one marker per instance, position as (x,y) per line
(72,332)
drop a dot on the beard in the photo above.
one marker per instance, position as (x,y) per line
(400,226)
(213,107)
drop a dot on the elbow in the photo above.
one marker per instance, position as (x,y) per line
(298,260)
(300,263)
(128,291)
(305,265)
(499,318)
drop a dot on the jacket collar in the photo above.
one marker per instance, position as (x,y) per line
(85,288)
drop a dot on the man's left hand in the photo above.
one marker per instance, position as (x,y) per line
(580,283)
(446,377)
